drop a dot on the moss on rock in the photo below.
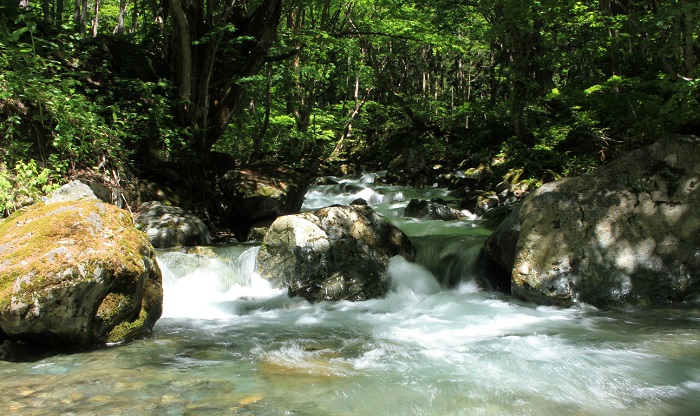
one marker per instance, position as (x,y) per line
(71,272)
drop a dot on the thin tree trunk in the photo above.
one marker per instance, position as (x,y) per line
(347,130)
(83,16)
(95,21)
(46,10)
(606,5)
(76,15)
(258,139)
(183,67)
(135,17)
(58,19)
(120,19)
(688,44)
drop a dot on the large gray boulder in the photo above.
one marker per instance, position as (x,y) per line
(76,272)
(627,233)
(167,226)
(335,253)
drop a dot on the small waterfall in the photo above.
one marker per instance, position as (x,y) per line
(212,282)
(452,260)
(412,276)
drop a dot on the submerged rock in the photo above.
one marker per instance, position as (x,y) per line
(76,272)
(432,210)
(335,253)
(168,226)
(626,233)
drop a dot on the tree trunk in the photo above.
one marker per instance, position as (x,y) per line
(607,8)
(135,17)
(258,139)
(95,20)
(80,16)
(206,79)
(76,15)
(347,130)
(183,55)
(83,16)
(58,20)
(688,44)
(120,19)
(46,10)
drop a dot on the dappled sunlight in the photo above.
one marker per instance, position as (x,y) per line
(624,234)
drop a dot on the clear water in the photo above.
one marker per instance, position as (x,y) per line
(228,344)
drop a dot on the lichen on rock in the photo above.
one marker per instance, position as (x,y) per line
(73,271)
(627,233)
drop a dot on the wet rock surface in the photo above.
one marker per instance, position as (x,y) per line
(335,253)
(432,210)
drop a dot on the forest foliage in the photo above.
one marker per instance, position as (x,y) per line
(536,87)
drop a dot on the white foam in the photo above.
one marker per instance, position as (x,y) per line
(214,286)
(406,275)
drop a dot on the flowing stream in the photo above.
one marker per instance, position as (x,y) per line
(229,344)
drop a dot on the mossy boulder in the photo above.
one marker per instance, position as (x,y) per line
(260,193)
(410,168)
(76,272)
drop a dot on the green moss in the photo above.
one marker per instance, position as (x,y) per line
(42,242)
(269,191)
(112,306)
(128,330)
(153,295)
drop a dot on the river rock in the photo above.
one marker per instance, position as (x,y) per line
(409,168)
(627,233)
(498,251)
(260,193)
(432,210)
(335,253)
(71,191)
(169,226)
(462,182)
(76,272)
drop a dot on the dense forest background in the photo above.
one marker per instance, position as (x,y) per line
(168,89)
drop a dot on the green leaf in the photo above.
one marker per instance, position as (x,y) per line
(18,33)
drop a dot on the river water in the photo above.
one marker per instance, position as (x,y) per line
(228,344)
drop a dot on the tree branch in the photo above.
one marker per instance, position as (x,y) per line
(284,56)
(354,33)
